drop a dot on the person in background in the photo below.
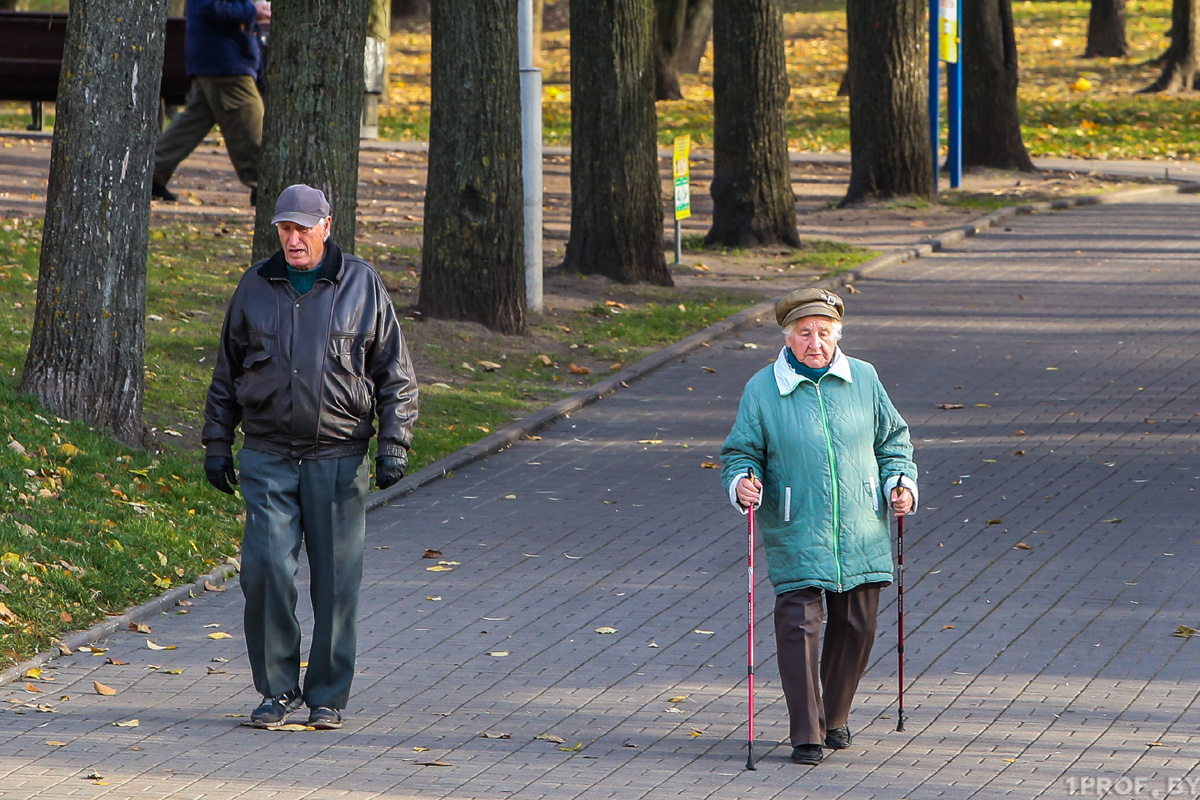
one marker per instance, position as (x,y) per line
(829,454)
(310,354)
(223,58)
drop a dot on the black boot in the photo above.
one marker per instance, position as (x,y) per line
(162,192)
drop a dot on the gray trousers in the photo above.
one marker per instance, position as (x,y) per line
(231,102)
(819,682)
(320,503)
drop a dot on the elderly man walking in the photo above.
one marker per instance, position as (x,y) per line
(310,353)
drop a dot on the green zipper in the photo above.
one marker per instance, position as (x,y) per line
(837,558)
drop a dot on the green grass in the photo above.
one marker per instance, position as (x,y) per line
(90,527)
(830,258)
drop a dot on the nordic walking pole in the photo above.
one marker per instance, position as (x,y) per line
(750,629)
(900,611)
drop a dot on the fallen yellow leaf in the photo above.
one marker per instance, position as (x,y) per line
(129,723)
(220,635)
(100,688)
(154,646)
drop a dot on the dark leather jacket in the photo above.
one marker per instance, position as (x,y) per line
(305,376)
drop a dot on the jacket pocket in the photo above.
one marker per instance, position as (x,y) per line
(259,382)
(872,488)
(348,389)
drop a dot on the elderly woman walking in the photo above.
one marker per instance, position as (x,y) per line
(833,453)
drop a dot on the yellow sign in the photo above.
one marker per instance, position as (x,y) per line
(683,192)
(948,30)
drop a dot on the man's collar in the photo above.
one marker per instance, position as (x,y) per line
(275,267)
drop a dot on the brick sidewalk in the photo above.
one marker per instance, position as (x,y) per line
(1032,673)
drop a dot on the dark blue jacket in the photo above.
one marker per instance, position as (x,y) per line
(220,38)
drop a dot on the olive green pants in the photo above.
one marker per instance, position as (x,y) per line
(320,503)
(231,102)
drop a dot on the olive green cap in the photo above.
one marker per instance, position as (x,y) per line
(808,303)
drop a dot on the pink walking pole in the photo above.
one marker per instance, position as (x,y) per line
(900,615)
(750,632)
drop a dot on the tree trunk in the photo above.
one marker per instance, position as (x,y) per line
(1183,55)
(616,192)
(669,19)
(313,112)
(1106,30)
(406,9)
(473,257)
(753,203)
(991,121)
(88,338)
(697,27)
(889,114)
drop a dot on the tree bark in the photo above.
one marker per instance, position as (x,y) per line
(991,120)
(406,9)
(1182,58)
(669,19)
(473,257)
(753,202)
(85,357)
(697,27)
(889,114)
(313,111)
(1106,30)
(616,192)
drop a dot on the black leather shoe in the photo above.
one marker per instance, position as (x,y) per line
(838,738)
(809,754)
(162,192)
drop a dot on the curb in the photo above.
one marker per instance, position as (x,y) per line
(505,437)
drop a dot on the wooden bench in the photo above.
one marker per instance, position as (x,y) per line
(31,47)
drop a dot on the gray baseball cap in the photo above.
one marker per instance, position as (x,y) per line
(301,204)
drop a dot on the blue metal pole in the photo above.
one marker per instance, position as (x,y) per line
(934,122)
(954,87)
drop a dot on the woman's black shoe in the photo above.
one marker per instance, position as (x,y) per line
(809,754)
(838,738)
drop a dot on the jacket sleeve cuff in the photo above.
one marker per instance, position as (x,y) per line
(907,483)
(218,448)
(391,449)
(733,495)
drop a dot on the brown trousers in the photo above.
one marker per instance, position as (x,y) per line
(819,682)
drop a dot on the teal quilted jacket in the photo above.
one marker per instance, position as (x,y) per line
(828,455)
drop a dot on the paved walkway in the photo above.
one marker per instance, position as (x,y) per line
(1054,557)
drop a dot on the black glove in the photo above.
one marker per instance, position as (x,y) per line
(389,470)
(220,472)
